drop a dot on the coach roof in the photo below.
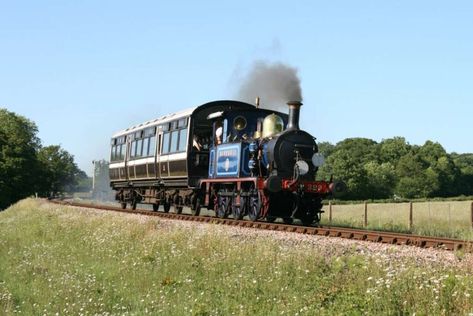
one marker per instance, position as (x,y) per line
(163,119)
(204,109)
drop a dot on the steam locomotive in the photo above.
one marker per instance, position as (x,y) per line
(227,156)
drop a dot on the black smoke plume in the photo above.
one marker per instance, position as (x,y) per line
(275,84)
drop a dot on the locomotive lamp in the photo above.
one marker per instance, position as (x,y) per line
(302,167)
(318,160)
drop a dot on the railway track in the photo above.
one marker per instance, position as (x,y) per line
(341,232)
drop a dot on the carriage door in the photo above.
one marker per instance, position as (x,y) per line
(164,137)
(158,152)
(155,154)
(124,171)
(159,141)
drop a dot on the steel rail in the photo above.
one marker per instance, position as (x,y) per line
(329,231)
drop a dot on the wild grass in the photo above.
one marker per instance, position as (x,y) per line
(65,261)
(435,218)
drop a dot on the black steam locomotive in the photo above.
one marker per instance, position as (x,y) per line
(227,156)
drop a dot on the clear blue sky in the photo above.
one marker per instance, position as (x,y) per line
(84,69)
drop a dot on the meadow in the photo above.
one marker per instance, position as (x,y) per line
(57,260)
(431,218)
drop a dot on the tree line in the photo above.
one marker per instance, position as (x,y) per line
(393,168)
(28,168)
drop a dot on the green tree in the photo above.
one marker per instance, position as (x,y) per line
(464,182)
(436,159)
(392,149)
(59,171)
(326,148)
(346,163)
(381,179)
(18,163)
(416,179)
(430,152)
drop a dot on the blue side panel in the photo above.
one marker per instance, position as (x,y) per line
(245,158)
(228,160)
(265,155)
(212,163)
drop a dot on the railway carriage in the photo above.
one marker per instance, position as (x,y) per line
(228,156)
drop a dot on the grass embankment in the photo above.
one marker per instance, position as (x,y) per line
(434,218)
(69,261)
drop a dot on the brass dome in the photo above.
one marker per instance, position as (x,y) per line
(272,125)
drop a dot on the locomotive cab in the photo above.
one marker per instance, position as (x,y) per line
(233,133)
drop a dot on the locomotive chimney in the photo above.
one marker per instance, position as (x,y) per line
(294,111)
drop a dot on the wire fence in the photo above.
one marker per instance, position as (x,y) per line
(446,218)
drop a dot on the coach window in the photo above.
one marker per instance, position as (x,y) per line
(182,123)
(118,154)
(133,149)
(139,147)
(117,147)
(152,145)
(182,140)
(174,140)
(149,140)
(165,149)
(145,146)
(112,149)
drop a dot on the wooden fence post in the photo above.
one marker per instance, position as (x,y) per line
(330,212)
(471,214)
(410,216)
(365,220)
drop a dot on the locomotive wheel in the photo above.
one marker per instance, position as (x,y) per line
(166,206)
(309,217)
(317,218)
(155,207)
(196,207)
(288,220)
(133,204)
(177,207)
(123,205)
(254,207)
(307,220)
(223,208)
(238,211)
